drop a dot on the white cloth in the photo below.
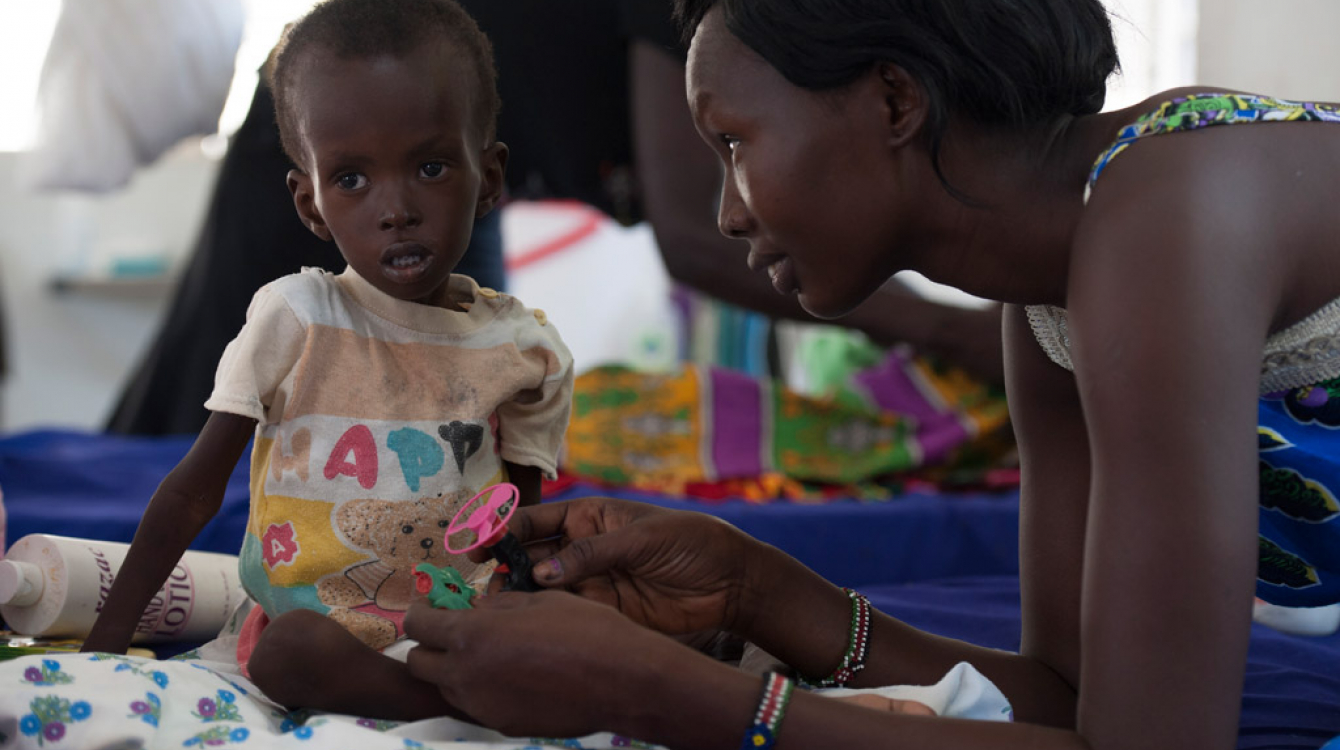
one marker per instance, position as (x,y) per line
(123,81)
(963,693)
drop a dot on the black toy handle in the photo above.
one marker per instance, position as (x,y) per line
(509,552)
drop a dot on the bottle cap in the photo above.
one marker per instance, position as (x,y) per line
(20,583)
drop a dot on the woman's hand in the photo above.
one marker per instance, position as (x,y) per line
(674,571)
(515,662)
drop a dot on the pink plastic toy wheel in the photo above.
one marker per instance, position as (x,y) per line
(482,521)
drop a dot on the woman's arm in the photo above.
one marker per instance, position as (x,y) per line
(186,500)
(1053,508)
(1171,300)
(681,572)
(506,663)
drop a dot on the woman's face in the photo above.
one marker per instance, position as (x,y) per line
(809,177)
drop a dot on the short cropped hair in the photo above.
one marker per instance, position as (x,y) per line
(368,28)
(1003,63)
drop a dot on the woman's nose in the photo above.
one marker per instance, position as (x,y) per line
(733,217)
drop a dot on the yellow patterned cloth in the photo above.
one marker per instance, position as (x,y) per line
(711,431)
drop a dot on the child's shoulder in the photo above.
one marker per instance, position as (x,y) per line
(298,289)
(308,279)
(305,294)
(530,325)
(501,307)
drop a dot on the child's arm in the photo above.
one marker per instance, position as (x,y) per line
(527,481)
(186,500)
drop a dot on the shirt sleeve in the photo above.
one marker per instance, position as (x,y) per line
(256,363)
(533,423)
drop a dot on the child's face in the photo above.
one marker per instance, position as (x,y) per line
(808,177)
(395,169)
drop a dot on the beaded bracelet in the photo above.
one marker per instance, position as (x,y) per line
(858,645)
(762,734)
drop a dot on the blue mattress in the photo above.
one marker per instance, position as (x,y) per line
(946,563)
(1291,700)
(96,486)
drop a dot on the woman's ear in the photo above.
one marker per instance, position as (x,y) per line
(304,199)
(492,170)
(905,102)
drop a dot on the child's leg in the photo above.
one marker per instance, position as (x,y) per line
(306,660)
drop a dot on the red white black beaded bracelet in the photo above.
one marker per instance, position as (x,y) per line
(777,691)
(858,645)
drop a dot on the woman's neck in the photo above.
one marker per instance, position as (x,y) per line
(1011,239)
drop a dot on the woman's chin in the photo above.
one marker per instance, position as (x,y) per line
(823,309)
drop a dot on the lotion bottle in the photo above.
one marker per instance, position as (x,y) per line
(55,586)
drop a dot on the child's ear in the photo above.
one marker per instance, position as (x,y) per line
(905,103)
(492,169)
(304,199)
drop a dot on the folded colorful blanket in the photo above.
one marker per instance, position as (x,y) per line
(708,431)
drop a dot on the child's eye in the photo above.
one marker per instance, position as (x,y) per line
(432,169)
(730,142)
(351,181)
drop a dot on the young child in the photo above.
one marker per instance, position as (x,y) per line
(380,398)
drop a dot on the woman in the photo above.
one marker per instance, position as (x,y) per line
(1170,346)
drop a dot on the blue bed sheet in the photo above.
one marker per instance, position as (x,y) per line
(96,486)
(1291,700)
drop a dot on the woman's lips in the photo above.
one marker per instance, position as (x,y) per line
(783,275)
(779,267)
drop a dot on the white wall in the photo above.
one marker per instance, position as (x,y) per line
(1284,48)
(1157,43)
(70,352)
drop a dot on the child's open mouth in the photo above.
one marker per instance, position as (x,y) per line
(405,262)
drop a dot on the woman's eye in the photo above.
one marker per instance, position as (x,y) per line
(351,181)
(432,169)
(731,142)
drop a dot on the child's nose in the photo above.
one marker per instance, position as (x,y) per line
(399,212)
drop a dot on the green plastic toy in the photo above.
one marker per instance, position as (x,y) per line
(445,587)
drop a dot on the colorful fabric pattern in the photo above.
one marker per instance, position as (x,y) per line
(106,701)
(710,431)
(1299,439)
(376,419)
(1196,111)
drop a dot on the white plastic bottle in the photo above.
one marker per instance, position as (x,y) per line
(56,586)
